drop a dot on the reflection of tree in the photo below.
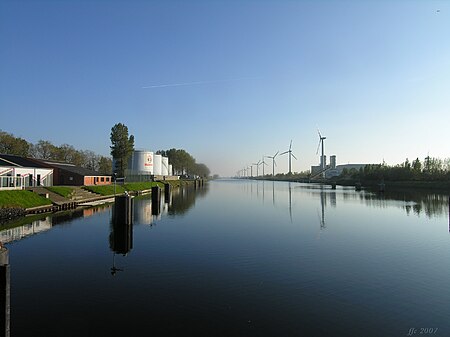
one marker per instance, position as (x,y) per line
(184,198)
(429,204)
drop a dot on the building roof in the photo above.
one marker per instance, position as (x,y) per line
(73,168)
(18,161)
(11,160)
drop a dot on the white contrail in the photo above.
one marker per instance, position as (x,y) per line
(196,83)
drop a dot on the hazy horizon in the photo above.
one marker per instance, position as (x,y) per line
(230,82)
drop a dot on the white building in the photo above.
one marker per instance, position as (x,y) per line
(18,172)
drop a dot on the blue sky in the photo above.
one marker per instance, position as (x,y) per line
(373,76)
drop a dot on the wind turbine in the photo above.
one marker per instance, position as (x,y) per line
(263,163)
(290,154)
(322,158)
(257,167)
(273,163)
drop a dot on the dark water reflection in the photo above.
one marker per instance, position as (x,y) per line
(240,258)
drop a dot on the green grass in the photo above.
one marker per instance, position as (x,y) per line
(105,189)
(61,190)
(22,198)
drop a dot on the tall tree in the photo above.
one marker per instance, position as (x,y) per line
(105,165)
(121,148)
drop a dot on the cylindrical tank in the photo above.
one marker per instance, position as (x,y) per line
(141,162)
(170,170)
(165,166)
(157,165)
(333,162)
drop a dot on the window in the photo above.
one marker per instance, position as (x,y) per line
(102,179)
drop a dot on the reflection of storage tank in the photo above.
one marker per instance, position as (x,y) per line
(170,170)
(157,165)
(143,211)
(141,162)
(165,166)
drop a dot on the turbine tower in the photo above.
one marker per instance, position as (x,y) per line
(273,163)
(263,163)
(257,167)
(290,154)
(322,158)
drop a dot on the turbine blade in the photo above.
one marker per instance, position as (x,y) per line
(320,136)
(318,146)
(290,145)
(275,154)
(294,156)
(284,153)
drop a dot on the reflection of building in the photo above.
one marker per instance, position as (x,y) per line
(4,292)
(20,232)
(143,211)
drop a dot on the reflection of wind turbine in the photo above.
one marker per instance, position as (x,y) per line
(273,163)
(290,154)
(323,201)
(290,201)
(322,158)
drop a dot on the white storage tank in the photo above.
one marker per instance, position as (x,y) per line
(165,166)
(170,170)
(141,162)
(157,165)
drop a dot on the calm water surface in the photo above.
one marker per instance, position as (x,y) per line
(238,258)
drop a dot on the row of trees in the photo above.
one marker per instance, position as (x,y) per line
(44,149)
(184,163)
(428,169)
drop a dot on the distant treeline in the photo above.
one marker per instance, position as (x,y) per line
(44,149)
(430,169)
(183,163)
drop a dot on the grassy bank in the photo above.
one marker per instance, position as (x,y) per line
(63,191)
(22,199)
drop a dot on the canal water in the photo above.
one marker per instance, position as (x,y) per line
(238,258)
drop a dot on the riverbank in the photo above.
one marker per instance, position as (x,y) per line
(18,203)
(425,186)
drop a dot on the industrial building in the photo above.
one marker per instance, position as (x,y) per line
(144,165)
(69,174)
